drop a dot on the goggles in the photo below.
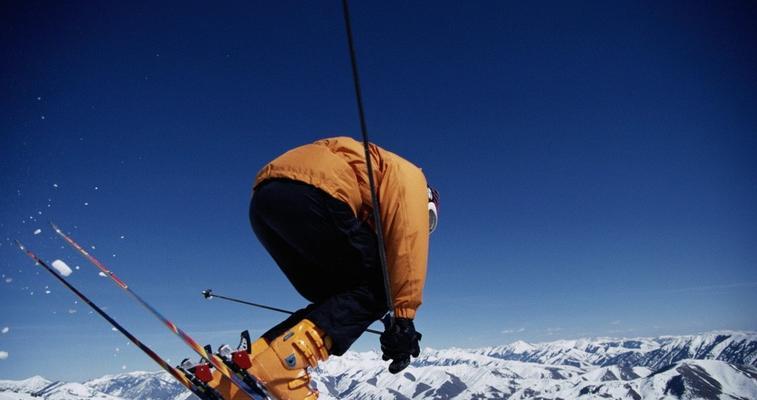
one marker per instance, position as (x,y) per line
(433,209)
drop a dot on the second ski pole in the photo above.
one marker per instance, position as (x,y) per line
(208,294)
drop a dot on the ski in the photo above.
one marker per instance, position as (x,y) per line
(200,390)
(255,392)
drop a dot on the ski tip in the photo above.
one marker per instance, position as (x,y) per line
(208,293)
(20,245)
(55,227)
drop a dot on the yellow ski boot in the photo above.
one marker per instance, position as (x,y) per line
(282,366)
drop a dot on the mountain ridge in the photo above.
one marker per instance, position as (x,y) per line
(714,365)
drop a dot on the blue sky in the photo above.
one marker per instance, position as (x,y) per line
(596,162)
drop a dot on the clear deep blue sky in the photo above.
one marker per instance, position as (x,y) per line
(597,163)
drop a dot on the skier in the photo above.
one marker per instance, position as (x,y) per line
(311,209)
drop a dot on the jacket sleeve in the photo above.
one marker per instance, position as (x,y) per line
(404,214)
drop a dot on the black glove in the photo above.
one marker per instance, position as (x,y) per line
(398,342)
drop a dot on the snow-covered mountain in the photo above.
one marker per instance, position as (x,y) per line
(720,365)
(700,367)
(36,388)
(655,353)
(140,385)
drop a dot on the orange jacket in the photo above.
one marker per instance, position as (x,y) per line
(337,166)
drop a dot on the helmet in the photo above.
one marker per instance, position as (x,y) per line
(433,208)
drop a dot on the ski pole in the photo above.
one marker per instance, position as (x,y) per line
(208,293)
(389,317)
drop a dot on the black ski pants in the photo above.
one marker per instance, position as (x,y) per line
(328,255)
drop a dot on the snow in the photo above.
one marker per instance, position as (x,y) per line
(62,267)
(38,231)
(3,355)
(5,330)
(30,384)
(16,396)
(521,347)
(102,274)
(460,374)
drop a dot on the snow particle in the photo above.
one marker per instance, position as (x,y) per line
(123,367)
(97,188)
(103,274)
(8,280)
(71,311)
(123,237)
(114,329)
(5,330)
(77,267)
(39,98)
(55,185)
(86,203)
(3,355)
(38,231)
(62,267)
(47,292)
(42,117)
